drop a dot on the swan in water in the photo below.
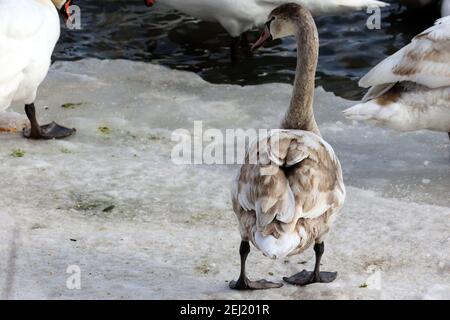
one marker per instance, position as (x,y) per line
(410,90)
(289,197)
(237,17)
(29,30)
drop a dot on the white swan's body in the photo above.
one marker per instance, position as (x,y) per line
(29,30)
(238,16)
(410,90)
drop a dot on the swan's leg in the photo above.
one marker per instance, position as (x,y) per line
(243,283)
(245,45)
(307,277)
(449,135)
(49,131)
(235,49)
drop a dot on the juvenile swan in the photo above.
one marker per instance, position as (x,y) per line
(29,30)
(289,199)
(410,90)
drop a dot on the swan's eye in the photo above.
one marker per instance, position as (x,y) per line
(269,22)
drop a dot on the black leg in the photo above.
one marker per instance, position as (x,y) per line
(235,51)
(449,135)
(35,130)
(243,283)
(245,45)
(49,131)
(307,277)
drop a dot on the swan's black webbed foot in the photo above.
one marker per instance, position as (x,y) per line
(246,284)
(46,132)
(243,283)
(307,277)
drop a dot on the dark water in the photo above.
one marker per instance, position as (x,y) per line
(129,30)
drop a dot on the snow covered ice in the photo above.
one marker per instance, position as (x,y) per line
(110,201)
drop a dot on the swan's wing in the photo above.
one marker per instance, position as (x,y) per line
(406,106)
(20,20)
(329,6)
(426,60)
(263,187)
(295,176)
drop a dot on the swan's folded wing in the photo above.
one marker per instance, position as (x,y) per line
(263,187)
(426,61)
(296,170)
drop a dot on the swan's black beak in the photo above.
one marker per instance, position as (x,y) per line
(265,36)
(65,11)
(149,3)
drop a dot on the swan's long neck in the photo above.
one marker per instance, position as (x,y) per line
(300,114)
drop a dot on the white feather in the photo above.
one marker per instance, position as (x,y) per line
(277,248)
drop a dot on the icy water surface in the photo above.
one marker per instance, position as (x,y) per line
(129,30)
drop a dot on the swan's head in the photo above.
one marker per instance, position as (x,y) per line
(282,22)
(63,7)
(149,3)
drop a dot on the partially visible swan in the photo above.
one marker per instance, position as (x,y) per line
(445,8)
(287,200)
(29,30)
(410,90)
(237,16)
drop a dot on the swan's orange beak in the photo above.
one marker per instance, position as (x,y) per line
(149,3)
(65,10)
(265,36)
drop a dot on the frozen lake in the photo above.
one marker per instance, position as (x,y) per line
(110,201)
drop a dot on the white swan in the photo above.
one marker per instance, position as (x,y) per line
(410,90)
(239,16)
(286,200)
(29,30)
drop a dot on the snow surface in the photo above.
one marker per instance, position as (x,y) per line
(172,232)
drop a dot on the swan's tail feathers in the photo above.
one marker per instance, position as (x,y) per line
(365,111)
(277,248)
